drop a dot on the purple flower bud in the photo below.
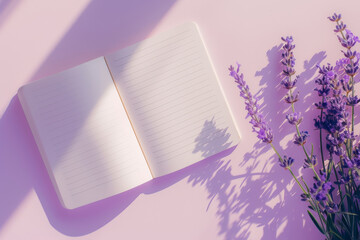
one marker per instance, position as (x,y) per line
(325,69)
(291,99)
(294,118)
(288,39)
(332,208)
(310,163)
(356,151)
(335,17)
(289,84)
(289,71)
(348,42)
(350,35)
(301,140)
(287,162)
(350,54)
(324,91)
(351,69)
(347,87)
(304,197)
(320,196)
(352,101)
(340,27)
(318,123)
(321,105)
(264,133)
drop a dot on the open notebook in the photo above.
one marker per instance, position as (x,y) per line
(118,121)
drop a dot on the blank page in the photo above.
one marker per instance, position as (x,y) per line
(84,134)
(173,98)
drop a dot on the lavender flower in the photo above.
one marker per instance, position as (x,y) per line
(288,83)
(289,98)
(286,162)
(294,118)
(347,87)
(332,208)
(352,101)
(352,69)
(305,197)
(310,163)
(288,59)
(264,133)
(335,17)
(321,188)
(350,54)
(340,27)
(301,140)
(347,42)
(322,105)
(356,151)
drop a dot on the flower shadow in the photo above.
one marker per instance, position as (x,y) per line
(254,198)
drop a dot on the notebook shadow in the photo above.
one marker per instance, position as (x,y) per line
(83,220)
(22,169)
(21,166)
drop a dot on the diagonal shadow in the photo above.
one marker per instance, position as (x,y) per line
(27,162)
(260,202)
(101,23)
(6,8)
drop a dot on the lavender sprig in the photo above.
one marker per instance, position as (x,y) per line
(265,133)
(288,60)
(259,125)
(348,41)
(251,105)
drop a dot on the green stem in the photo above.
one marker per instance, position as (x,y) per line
(321,145)
(339,188)
(302,188)
(278,154)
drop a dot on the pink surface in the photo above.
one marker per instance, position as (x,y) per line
(240,194)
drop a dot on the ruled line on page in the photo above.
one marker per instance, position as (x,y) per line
(74,122)
(165,129)
(174,157)
(101,184)
(81,155)
(113,176)
(181,147)
(90,173)
(176,113)
(182,135)
(172,102)
(180,128)
(168,94)
(80,164)
(170,52)
(100,133)
(144,71)
(164,87)
(155,127)
(152,45)
(81,124)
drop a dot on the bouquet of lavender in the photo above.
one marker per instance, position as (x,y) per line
(334,196)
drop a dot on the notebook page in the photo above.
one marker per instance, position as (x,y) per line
(173,98)
(84,134)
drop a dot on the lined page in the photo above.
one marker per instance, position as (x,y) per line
(84,134)
(173,98)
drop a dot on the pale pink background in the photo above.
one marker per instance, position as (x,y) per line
(237,195)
